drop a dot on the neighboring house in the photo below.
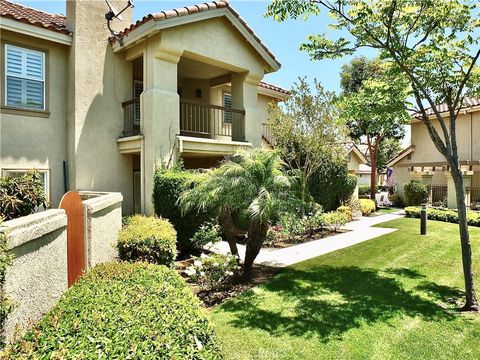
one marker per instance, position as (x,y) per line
(422,162)
(92,112)
(356,163)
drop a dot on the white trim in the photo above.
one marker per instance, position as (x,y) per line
(147,29)
(213,141)
(35,31)
(463,111)
(359,154)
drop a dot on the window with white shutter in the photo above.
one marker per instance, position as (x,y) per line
(24,78)
(227,104)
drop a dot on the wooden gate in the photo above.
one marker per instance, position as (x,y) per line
(73,206)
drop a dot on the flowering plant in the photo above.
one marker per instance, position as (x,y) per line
(209,271)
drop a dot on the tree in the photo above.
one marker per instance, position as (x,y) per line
(306,132)
(252,182)
(390,148)
(434,45)
(373,107)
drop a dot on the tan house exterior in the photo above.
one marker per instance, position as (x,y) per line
(422,162)
(96,113)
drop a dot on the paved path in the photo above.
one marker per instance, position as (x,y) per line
(360,230)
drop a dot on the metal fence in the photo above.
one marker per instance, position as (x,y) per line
(437,195)
(131,117)
(473,195)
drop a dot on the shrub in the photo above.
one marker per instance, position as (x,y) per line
(331,184)
(211,271)
(396,200)
(21,196)
(415,193)
(347,211)
(147,239)
(5,261)
(122,310)
(334,220)
(168,185)
(367,206)
(206,234)
(364,190)
(445,215)
(292,224)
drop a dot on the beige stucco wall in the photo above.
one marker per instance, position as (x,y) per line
(468,128)
(39,142)
(37,276)
(102,81)
(103,221)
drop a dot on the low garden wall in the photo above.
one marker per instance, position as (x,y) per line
(37,276)
(103,221)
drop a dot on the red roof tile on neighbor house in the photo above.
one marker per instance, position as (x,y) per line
(25,14)
(273,87)
(190,10)
(467,102)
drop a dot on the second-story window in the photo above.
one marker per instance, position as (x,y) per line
(24,78)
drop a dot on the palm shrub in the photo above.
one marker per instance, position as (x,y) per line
(251,182)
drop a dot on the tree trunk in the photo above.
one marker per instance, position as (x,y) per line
(229,230)
(373,174)
(471,303)
(257,233)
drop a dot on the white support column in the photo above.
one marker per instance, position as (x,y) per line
(451,194)
(161,118)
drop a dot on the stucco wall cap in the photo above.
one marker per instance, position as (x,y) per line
(27,228)
(100,201)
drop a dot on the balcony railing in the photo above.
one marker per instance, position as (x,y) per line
(209,121)
(437,195)
(267,135)
(473,195)
(131,117)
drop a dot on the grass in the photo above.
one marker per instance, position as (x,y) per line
(392,297)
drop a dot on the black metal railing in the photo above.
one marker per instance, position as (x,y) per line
(437,195)
(267,134)
(473,195)
(199,119)
(131,117)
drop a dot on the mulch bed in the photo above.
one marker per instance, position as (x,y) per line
(280,244)
(234,287)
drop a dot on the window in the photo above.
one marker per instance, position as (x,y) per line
(44,173)
(227,103)
(24,78)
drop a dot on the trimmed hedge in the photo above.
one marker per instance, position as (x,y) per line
(364,190)
(122,311)
(147,239)
(445,215)
(332,184)
(415,193)
(168,185)
(367,206)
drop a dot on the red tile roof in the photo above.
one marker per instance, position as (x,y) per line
(193,9)
(467,102)
(28,15)
(273,87)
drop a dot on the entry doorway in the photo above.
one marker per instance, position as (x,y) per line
(137,184)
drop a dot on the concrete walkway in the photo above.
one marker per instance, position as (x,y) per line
(360,230)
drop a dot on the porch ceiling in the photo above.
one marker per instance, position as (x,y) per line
(193,69)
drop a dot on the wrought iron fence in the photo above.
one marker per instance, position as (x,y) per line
(437,195)
(473,195)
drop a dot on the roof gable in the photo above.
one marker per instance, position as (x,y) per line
(189,14)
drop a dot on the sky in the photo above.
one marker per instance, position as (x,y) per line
(283,39)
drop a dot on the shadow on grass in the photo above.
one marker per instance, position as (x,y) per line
(409,273)
(328,301)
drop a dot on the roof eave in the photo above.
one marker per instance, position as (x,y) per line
(35,31)
(466,110)
(272,93)
(153,26)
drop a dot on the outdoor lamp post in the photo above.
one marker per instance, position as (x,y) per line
(423,220)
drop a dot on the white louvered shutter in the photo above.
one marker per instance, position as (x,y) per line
(227,103)
(25,78)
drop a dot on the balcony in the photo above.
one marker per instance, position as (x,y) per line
(202,120)
(131,117)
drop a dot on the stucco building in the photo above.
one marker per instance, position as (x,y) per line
(422,162)
(92,111)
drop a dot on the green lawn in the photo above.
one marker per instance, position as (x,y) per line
(387,298)
(386,210)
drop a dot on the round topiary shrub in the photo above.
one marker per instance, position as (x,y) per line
(415,193)
(122,311)
(147,239)
(367,206)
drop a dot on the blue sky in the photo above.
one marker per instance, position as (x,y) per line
(283,39)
